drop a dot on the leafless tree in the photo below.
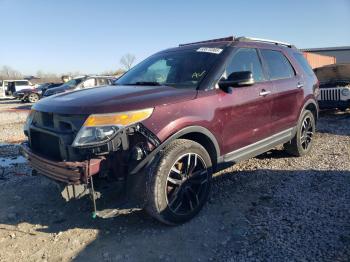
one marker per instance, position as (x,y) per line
(7,72)
(47,77)
(127,61)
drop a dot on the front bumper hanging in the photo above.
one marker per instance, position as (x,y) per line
(74,173)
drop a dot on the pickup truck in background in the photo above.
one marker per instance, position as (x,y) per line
(9,87)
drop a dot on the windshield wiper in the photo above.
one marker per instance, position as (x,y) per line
(144,83)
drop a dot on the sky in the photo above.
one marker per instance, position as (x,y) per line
(91,36)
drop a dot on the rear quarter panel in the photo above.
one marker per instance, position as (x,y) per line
(311,83)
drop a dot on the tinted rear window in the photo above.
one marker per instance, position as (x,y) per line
(303,63)
(278,65)
(21,83)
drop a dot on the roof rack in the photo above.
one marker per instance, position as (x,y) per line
(229,38)
(243,38)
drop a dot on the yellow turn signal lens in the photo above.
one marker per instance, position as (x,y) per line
(118,119)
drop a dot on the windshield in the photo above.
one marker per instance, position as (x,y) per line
(182,69)
(72,83)
(42,86)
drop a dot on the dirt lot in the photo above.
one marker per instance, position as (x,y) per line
(12,115)
(270,208)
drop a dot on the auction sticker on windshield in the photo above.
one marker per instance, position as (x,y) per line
(210,50)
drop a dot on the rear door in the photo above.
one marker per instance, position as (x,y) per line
(248,109)
(288,92)
(22,84)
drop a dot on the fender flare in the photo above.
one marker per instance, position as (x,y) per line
(182,132)
(307,103)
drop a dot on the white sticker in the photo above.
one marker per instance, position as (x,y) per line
(210,50)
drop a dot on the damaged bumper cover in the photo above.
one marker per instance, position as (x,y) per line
(68,172)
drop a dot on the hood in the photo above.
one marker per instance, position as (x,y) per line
(109,99)
(331,73)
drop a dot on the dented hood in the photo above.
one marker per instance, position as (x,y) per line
(332,73)
(109,99)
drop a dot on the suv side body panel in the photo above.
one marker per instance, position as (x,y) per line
(243,117)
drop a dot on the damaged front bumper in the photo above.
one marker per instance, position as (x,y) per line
(74,173)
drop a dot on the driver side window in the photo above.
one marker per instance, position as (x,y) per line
(245,59)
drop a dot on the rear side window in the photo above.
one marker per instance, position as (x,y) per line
(246,59)
(304,64)
(21,83)
(278,65)
(102,81)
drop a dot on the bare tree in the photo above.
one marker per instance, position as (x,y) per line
(7,72)
(127,61)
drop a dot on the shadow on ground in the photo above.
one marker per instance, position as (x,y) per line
(13,104)
(334,122)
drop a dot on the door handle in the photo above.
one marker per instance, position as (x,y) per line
(264,92)
(300,85)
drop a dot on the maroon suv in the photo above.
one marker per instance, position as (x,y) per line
(173,120)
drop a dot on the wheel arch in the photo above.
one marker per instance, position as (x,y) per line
(311,105)
(198,134)
(204,139)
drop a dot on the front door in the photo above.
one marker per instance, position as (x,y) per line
(247,109)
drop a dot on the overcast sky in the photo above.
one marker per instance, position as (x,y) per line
(91,36)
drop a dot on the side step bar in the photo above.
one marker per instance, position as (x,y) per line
(260,146)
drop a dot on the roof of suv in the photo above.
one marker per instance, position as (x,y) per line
(231,40)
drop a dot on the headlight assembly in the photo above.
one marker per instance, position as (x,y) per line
(101,128)
(28,121)
(345,92)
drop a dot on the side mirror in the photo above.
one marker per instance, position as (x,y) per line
(237,79)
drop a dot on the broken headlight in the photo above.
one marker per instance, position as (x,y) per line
(101,128)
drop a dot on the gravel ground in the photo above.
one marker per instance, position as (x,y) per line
(13,114)
(270,208)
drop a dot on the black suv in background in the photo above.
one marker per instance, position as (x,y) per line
(82,82)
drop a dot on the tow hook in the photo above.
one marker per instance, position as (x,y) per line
(93,197)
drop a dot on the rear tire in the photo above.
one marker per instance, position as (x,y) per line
(302,142)
(33,98)
(179,182)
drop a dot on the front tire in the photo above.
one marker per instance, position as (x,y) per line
(302,142)
(33,98)
(179,182)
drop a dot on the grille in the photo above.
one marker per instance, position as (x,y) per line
(52,134)
(330,94)
(45,144)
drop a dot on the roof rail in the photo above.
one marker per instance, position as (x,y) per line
(229,38)
(243,38)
